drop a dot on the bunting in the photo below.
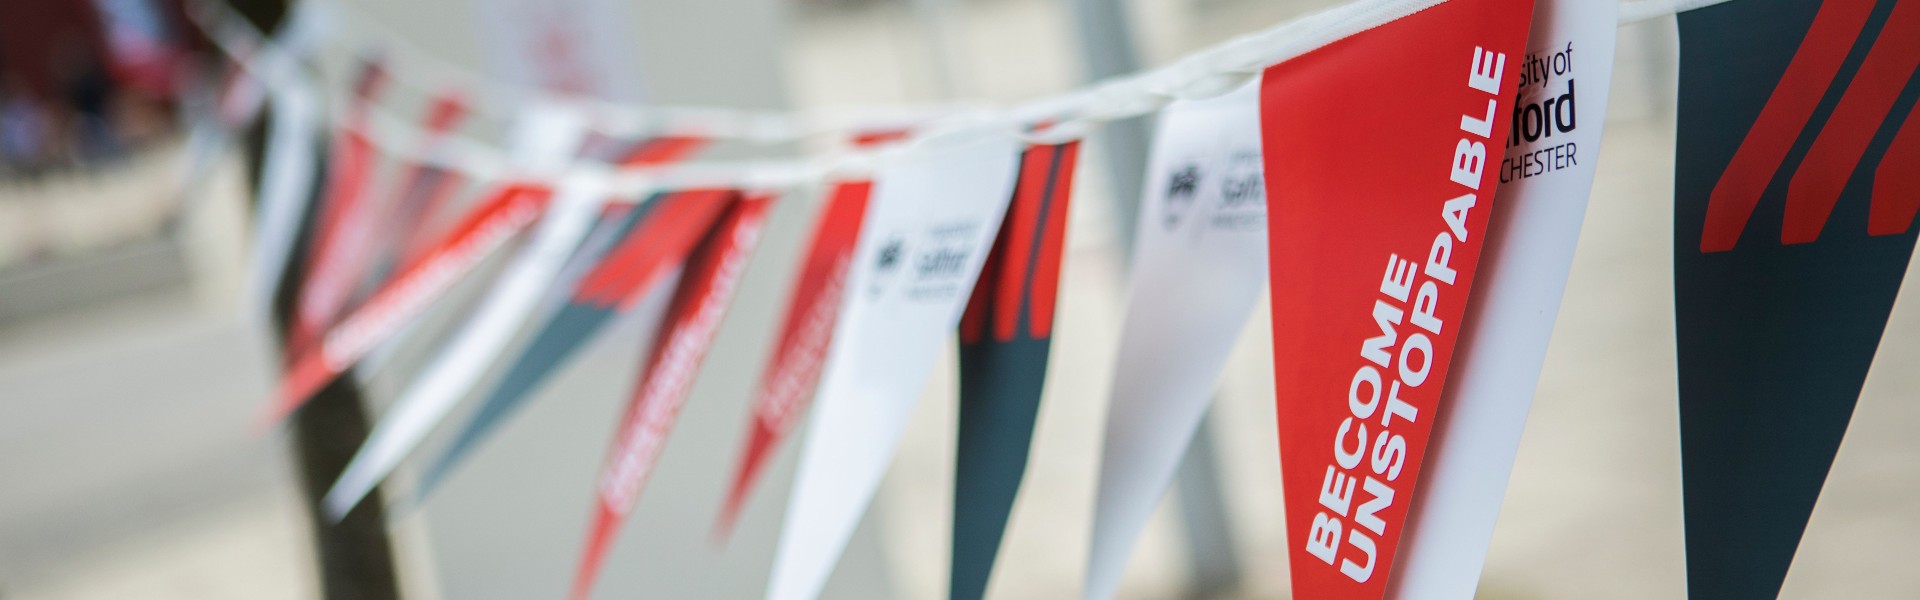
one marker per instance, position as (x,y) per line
(568,241)
(665,231)
(1408,178)
(490,225)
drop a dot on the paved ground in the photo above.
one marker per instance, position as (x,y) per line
(131,474)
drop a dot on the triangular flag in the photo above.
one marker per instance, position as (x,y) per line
(787,385)
(693,318)
(1372,262)
(674,224)
(934,213)
(288,166)
(1795,187)
(558,254)
(513,297)
(1199,265)
(398,303)
(1005,336)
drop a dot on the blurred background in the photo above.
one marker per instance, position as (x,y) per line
(130,372)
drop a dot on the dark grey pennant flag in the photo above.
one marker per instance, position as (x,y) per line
(1005,335)
(1796,180)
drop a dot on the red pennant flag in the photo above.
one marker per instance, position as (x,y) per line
(1372,256)
(642,151)
(805,331)
(343,222)
(664,150)
(400,301)
(699,303)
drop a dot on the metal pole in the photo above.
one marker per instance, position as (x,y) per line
(355,554)
(1107,50)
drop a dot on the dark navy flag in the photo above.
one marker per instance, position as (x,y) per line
(1797,178)
(1005,335)
(665,230)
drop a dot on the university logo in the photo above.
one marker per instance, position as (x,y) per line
(889,255)
(1182,188)
(886,265)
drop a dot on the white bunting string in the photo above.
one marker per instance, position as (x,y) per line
(284,65)
(1203,74)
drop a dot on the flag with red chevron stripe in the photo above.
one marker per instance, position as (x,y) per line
(1796,182)
(1006,334)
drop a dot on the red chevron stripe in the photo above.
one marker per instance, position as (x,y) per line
(1025,216)
(1814,64)
(1896,182)
(1836,153)
(1053,242)
(973,319)
(868,139)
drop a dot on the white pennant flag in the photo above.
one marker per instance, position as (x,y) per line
(291,158)
(466,355)
(933,216)
(1544,181)
(543,139)
(1199,266)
